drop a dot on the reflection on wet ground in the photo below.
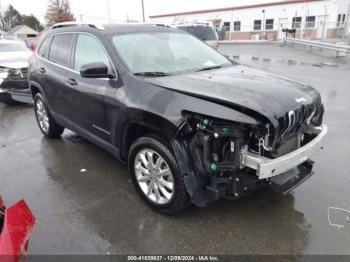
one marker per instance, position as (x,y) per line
(97,211)
(236,58)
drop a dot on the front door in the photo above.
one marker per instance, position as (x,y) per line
(94,105)
(322,26)
(282,23)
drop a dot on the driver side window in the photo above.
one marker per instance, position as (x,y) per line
(88,50)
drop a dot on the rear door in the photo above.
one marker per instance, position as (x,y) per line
(95,106)
(39,75)
(57,73)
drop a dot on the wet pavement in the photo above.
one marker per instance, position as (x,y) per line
(97,210)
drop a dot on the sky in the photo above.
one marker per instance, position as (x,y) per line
(120,10)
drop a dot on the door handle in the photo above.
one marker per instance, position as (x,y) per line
(42,70)
(72,81)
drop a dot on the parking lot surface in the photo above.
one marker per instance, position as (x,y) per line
(85,203)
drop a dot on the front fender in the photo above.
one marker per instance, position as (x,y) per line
(132,118)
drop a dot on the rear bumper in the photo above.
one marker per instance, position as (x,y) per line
(266,167)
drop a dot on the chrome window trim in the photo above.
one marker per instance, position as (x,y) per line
(70,69)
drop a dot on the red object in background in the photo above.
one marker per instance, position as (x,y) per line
(33,47)
(18,224)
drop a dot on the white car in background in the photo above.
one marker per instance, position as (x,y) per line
(14,56)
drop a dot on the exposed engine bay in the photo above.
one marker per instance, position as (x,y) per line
(219,152)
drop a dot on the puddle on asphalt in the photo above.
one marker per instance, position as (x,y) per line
(74,138)
(288,61)
(329,64)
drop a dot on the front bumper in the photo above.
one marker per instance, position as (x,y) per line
(17,90)
(266,167)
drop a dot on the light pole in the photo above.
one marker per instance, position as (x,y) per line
(232,25)
(143,12)
(108,11)
(303,24)
(324,21)
(263,23)
(346,23)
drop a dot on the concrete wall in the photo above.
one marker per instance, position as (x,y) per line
(335,33)
(269,35)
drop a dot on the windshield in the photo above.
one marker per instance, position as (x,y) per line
(166,53)
(13,47)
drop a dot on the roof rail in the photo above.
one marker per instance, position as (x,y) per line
(74,23)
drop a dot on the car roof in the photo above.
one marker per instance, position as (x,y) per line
(113,28)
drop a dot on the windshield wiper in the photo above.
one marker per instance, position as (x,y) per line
(151,74)
(208,68)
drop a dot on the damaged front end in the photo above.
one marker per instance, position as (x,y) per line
(14,83)
(224,159)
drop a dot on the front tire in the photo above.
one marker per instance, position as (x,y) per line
(46,123)
(156,176)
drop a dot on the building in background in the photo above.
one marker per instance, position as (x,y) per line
(23,32)
(312,19)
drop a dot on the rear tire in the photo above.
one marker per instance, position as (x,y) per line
(156,175)
(46,123)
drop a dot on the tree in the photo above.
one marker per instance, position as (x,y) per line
(58,11)
(32,21)
(12,18)
(2,21)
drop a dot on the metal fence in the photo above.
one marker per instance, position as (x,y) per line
(304,30)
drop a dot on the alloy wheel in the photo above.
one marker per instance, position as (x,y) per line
(42,115)
(154,176)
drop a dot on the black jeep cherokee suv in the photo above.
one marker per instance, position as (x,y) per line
(192,126)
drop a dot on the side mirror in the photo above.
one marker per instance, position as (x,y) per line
(95,70)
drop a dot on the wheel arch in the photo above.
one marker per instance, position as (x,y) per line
(142,123)
(35,88)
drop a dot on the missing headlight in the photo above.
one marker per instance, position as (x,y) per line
(216,144)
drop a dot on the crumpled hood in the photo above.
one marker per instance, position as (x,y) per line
(243,87)
(15,60)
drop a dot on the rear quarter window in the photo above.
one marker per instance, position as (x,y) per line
(60,49)
(44,48)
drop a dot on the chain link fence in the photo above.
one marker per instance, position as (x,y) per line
(325,31)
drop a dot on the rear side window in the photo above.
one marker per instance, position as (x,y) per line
(44,47)
(60,49)
(89,50)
